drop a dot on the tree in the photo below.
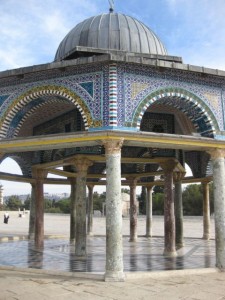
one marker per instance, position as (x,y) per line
(13,203)
(142,201)
(48,204)
(27,202)
(193,199)
(158,203)
(98,200)
(158,189)
(63,205)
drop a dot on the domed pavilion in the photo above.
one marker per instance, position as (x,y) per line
(115,109)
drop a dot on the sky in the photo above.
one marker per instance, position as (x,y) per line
(31,30)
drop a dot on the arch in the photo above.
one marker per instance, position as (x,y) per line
(196,110)
(34,94)
(22,163)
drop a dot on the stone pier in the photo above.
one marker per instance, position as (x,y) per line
(81,234)
(39,176)
(73,210)
(206,211)
(32,214)
(90,210)
(169,217)
(178,210)
(217,157)
(149,212)
(133,210)
(114,244)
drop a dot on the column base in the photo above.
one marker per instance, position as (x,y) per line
(133,240)
(90,234)
(220,264)
(206,237)
(80,258)
(31,236)
(179,246)
(80,252)
(72,241)
(116,276)
(148,235)
(170,253)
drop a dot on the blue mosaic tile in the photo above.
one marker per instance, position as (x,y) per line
(3,98)
(88,86)
(135,83)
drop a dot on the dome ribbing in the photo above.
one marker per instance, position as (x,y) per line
(111,31)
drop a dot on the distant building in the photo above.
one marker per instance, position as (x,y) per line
(1,194)
(125,198)
(126,204)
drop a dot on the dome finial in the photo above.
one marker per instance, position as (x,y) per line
(111,3)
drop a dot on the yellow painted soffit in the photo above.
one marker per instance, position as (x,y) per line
(31,144)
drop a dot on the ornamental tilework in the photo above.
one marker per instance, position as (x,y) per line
(113,95)
(135,82)
(136,88)
(87,86)
(213,98)
(120,98)
(106,96)
(154,84)
(3,98)
(55,73)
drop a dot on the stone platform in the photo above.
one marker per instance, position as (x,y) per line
(145,255)
(55,273)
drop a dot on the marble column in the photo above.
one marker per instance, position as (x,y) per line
(149,212)
(39,176)
(73,210)
(90,210)
(178,210)
(169,217)
(217,157)
(206,211)
(114,243)
(133,209)
(32,213)
(80,206)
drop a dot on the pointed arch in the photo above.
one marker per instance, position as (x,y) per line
(196,110)
(35,93)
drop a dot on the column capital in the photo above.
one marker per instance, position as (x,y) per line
(90,185)
(132,181)
(178,176)
(216,153)
(82,164)
(169,165)
(72,180)
(39,174)
(113,146)
(149,187)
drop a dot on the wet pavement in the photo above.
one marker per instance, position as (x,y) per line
(55,272)
(144,255)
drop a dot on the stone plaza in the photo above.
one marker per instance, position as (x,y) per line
(53,279)
(115,109)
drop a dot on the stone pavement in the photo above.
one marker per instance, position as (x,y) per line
(26,283)
(29,284)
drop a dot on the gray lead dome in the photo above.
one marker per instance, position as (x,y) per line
(110,31)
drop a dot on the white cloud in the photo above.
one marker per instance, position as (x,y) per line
(31,30)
